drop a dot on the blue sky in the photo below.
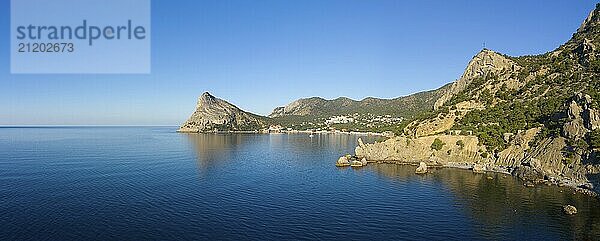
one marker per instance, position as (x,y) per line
(264,53)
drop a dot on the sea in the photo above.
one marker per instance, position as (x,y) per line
(152,183)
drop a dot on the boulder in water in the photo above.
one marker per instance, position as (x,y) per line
(422,169)
(569,210)
(344,161)
(356,163)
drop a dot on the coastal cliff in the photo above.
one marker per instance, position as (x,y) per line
(536,117)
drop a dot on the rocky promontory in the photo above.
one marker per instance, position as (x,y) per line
(536,117)
(214,114)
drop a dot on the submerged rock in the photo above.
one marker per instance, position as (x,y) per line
(569,210)
(422,169)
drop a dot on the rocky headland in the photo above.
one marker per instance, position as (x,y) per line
(535,117)
(214,114)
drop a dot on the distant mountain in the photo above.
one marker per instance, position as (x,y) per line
(215,114)
(316,107)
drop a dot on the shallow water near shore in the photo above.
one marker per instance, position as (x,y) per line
(140,183)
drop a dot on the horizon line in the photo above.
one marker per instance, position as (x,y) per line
(85,125)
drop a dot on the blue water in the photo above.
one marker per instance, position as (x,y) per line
(150,183)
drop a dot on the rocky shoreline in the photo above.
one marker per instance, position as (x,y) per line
(530,178)
(193,131)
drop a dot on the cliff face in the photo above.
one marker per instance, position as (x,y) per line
(537,117)
(215,114)
(486,62)
(457,149)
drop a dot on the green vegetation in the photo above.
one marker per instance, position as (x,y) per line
(460,144)
(317,111)
(437,144)
(595,139)
(490,124)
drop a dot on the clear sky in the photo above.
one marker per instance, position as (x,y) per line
(266,53)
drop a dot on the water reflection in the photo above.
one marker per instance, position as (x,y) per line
(502,202)
(214,149)
(304,143)
(237,149)
(295,167)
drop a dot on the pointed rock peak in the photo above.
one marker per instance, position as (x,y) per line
(486,59)
(484,63)
(591,21)
(486,51)
(206,98)
(207,95)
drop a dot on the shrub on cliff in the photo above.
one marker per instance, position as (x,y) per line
(437,144)
(595,139)
(460,143)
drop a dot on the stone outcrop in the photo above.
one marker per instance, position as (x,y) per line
(343,161)
(478,168)
(592,21)
(415,150)
(435,126)
(356,163)
(214,114)
(422,169)
(543,163)
(486,62)
(583,118)
(569,210)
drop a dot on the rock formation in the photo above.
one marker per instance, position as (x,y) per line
(343,161)
(214,114)
(422,169)
(478,168)
(569,210)
(484,63)
(536,117)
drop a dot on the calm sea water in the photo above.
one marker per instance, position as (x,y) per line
(150,183)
